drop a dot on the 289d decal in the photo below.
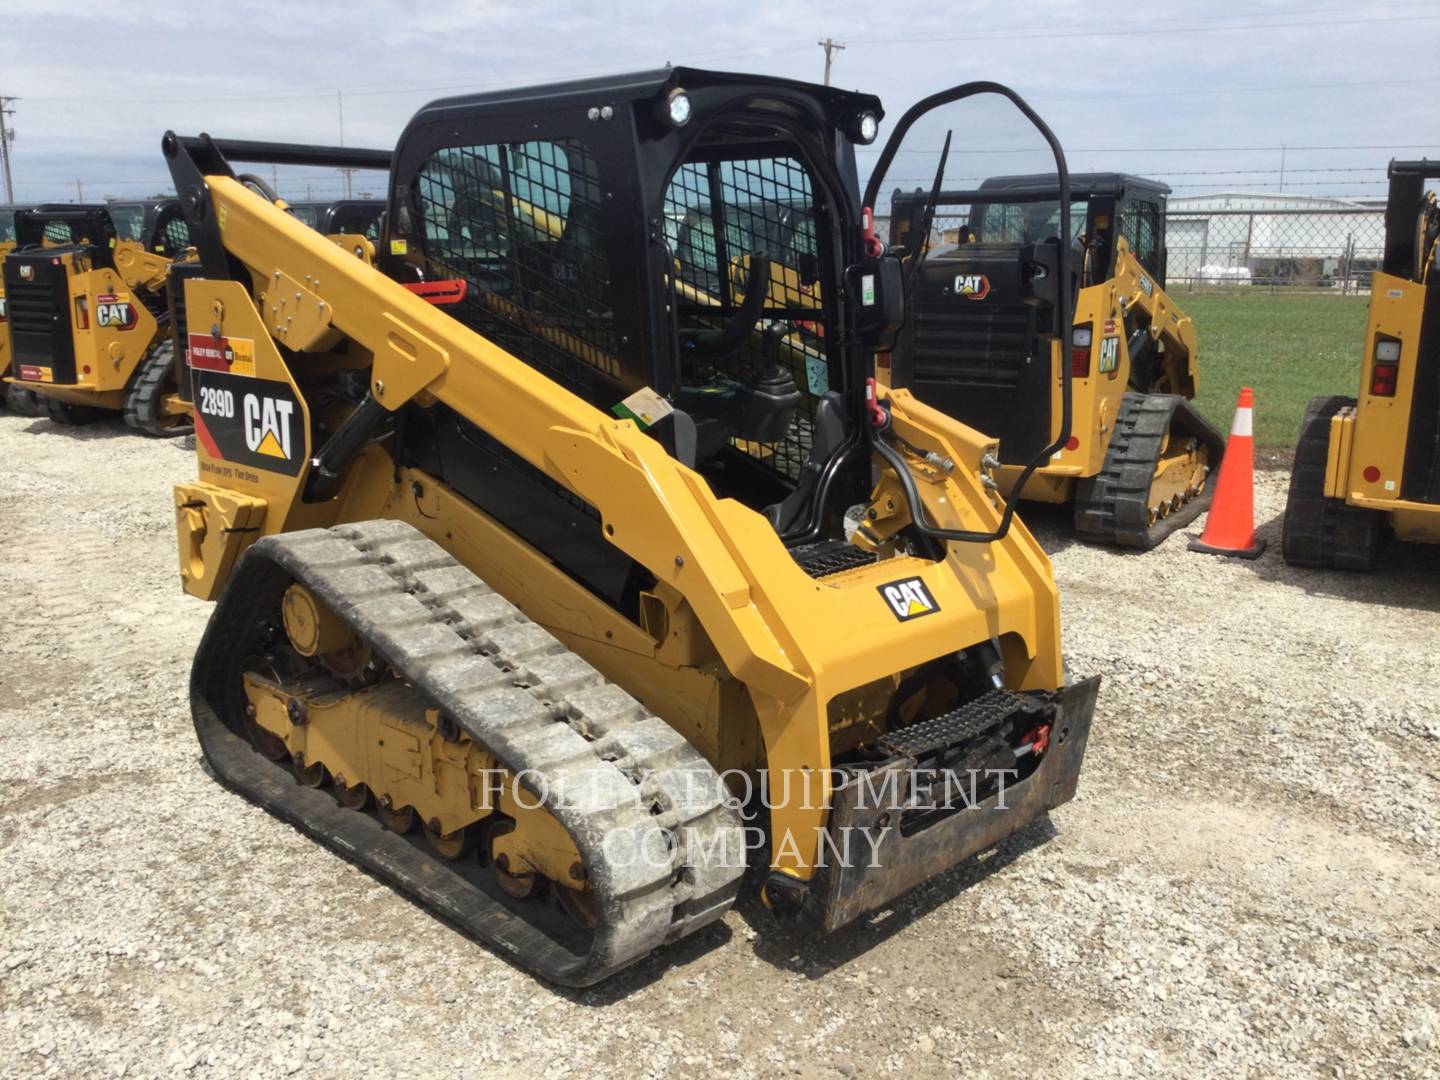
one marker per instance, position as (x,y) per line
(255,422)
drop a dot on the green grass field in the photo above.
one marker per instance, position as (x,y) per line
(1287,347)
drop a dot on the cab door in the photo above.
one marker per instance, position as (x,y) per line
(988,272)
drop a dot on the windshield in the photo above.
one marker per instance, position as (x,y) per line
(1018,223)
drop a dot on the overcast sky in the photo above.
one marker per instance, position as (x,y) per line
(1202,95)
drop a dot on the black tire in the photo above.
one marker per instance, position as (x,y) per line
(1321,532)
(63,412)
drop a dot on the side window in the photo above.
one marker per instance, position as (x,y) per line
(129,221)
(173,235)
(1140,225)
(7,227)
(358,220)
(520,223)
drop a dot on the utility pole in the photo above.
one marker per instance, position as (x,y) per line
(274,179)
(340,110)
(830,47)
(80,191)
(1282,167)
(7,110)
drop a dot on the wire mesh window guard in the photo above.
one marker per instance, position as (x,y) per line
(520,223)
(721,216)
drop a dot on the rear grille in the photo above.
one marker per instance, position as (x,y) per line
(983,345)
(30,307)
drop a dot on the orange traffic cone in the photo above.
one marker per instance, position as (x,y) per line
(1230,528)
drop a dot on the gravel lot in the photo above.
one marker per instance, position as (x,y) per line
(1247,884)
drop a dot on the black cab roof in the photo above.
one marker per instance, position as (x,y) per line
(1082,185)
(637,85)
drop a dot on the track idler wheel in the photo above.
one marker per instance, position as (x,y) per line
(580,905)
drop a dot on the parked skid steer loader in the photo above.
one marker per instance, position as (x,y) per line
(86,312)
(1368,465)
(574,529)
(1137,463)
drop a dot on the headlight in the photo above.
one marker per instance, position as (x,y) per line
(1080,337)
(1387,352)
(676,109)
(867,127)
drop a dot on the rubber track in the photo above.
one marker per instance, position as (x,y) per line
(1319,531)
(1113,506)
(69,414)
(664,854)
(146,397)
(23,402)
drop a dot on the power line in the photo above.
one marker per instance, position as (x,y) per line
(1150,149)
(1132,31)
(1384,84)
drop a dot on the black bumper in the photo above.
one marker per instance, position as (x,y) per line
(885,863)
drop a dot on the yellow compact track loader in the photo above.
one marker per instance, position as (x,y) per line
(1370,465)
(1137,463)
(87,314)
(573,532)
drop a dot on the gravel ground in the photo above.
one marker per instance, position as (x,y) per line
(1247,883)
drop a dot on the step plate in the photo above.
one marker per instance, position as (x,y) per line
(959,725)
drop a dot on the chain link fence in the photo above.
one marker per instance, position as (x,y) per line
(1332,249)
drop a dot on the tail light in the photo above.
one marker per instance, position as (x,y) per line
(1080,340)
(1385,373)
(82,313)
